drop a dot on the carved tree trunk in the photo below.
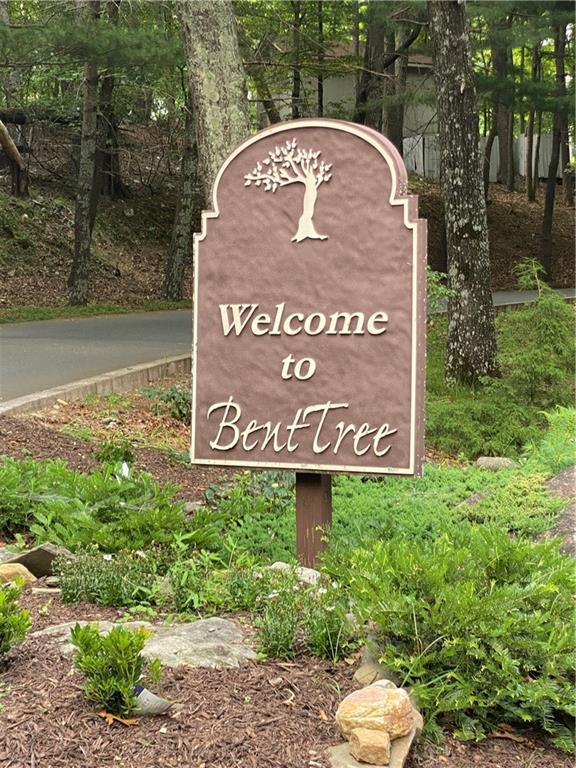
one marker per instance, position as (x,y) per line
(78,279)
(471,346)
(216,76)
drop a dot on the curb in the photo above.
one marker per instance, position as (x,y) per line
(121,380)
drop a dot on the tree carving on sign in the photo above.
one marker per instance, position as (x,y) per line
(291,165)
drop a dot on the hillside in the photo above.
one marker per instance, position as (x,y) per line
(133,235)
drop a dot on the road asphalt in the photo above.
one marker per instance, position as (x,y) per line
(43,354)
(46,353)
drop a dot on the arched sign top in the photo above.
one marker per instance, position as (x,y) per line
(310,306)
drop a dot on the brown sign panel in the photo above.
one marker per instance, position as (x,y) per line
(309,345)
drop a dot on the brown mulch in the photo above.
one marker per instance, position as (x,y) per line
(266,715)
(29,438)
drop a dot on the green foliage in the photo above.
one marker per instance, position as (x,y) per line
(537,365)
(196,584)
(437,290)
(178,400)
(557,449)
(113,665)
(14,622)
(125,579)
(114,451)
(536,354)
(65,507)
(479,624)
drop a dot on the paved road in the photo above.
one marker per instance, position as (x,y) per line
(44,354)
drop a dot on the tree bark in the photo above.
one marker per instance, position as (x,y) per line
(18,171)
(320,81)
(78,279)
(216,76)
(296,78)
(530,171)
(471,345)
(546,252)
(368,109)
(487,158)
(502,116)
(536,179)
(180,245)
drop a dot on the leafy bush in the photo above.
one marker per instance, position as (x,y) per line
(437,290)
(557,449)
(536,353)
(177,399)
(114,451)
(478,623)
(14,622)
(72,509)
(113,665)
(125,579)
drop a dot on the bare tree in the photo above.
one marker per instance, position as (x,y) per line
(291,165)
(471,344)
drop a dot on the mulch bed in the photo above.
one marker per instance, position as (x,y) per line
(29,438)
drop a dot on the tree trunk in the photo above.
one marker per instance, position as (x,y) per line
(500,71)
(546,252)
(536,179)
(567,173)
(487,159)
(471,345)
(18,172)
(530,172)
(386,113)
(368,109)
(296,78)
(219,105)
(78,279)
(320,59)
(183,219)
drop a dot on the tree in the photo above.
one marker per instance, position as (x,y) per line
(79,274)
(18,171)
(216,77)
(291,165)
(471,344)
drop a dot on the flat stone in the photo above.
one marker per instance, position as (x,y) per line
(340,757)
(39,559)
(370,669)
(564,484)
(304,575)
(9,572)
(191,506)
(214,643)
(5,554)
(494,463)
(400,748)
(370,746)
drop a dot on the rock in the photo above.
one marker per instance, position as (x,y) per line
(376,707)
(11,571)
(39,559)
(304,575)
(370,746)
(340,757)
(52,581)
(370,669)
(191,506)
(494,463)
(5,554)
(215,643)
(400,748)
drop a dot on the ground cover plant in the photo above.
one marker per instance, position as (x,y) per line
(14,622)
(112,665)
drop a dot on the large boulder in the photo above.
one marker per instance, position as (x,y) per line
(377,707)
(38,560)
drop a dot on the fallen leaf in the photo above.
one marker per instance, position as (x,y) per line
(323,716)
(511,736)
(290,700)
(110,718)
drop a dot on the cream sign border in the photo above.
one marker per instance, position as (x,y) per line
(412,225)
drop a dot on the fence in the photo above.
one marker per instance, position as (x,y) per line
(422,155)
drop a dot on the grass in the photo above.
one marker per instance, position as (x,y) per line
(22,314)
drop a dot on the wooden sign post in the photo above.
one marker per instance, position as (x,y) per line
(309,344)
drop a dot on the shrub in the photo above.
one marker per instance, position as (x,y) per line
(113,665)
(114,451)
(124,579)
(14,622)
(72,509)
(177,400)
(478,623)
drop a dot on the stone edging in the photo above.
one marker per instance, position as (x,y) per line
(121,380)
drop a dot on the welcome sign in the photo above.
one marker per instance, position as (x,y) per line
(309,346)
